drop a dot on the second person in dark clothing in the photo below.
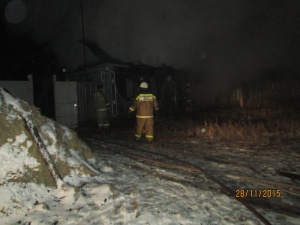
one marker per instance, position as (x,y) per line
(101,106)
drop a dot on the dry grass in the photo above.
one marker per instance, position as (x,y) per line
(250,131)
(238,125)
(234,131)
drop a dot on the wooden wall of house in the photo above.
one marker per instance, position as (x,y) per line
(266,93)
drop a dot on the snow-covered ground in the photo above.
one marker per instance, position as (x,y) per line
(128,192)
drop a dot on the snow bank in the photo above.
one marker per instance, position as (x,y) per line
(36,149)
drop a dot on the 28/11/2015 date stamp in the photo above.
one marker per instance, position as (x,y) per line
(257,193)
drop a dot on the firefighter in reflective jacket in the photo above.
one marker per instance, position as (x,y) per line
(144,104)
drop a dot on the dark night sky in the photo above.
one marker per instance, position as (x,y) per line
(221,41)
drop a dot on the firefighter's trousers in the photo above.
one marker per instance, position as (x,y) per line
(148,125)
(102,118)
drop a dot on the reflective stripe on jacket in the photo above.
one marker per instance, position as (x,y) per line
(144,104)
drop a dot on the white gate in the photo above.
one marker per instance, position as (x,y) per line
(20,89)
(66,102)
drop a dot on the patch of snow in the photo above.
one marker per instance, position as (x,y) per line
(15,159)
(67,135)
(80,160)
(15,103)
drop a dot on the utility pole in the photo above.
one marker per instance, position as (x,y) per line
(83,34)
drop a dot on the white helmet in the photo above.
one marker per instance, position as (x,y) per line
(144,85)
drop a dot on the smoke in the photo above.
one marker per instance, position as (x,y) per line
(220,42)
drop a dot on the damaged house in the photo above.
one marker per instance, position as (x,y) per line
(278,88)
(120,83)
